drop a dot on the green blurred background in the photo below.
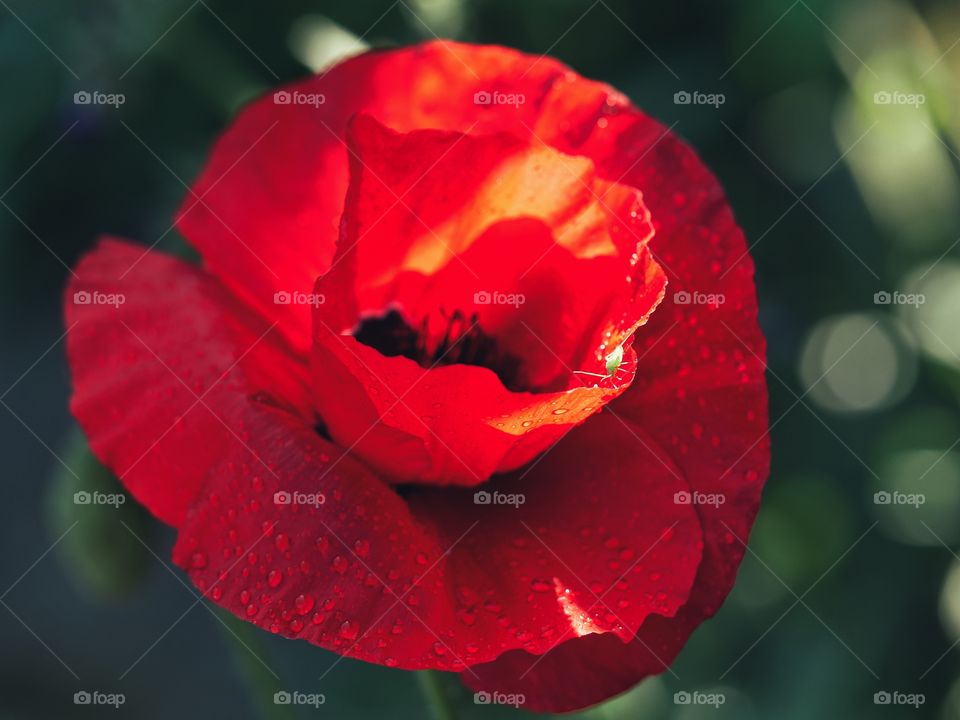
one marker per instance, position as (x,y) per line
(837,143)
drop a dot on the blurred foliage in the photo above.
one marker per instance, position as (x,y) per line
(103,545)
(841,195)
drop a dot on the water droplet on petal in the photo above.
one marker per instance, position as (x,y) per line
(349,630)
(303,604)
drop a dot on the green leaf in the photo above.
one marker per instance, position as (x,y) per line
(100,525)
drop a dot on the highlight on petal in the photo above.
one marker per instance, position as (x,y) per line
(446,383)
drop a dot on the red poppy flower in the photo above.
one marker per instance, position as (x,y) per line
(427,402)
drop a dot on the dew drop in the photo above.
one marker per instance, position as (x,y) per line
(303,604)
(349,630)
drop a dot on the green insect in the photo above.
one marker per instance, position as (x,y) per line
(613,361)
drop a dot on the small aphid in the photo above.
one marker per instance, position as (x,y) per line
(612,362)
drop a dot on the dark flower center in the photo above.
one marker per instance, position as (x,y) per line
(458,340)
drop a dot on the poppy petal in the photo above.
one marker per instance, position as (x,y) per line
(164,364)
(309,544)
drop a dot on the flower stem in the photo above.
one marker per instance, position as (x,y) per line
(431,683)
